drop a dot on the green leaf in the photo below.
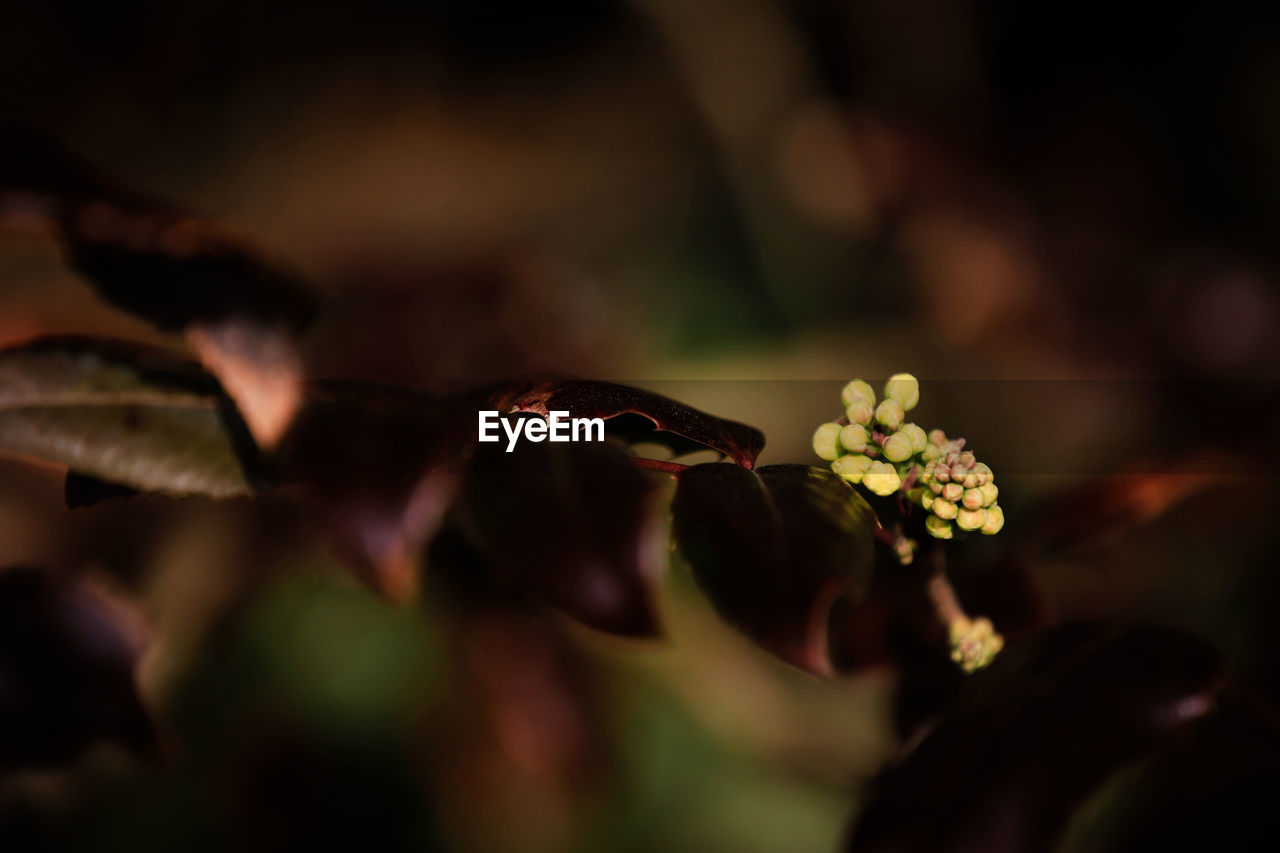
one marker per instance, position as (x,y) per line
(774,548)
(126,416)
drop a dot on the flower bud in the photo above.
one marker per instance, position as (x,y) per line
(852,467)
(971,519)
(826,441)
(919,441)
(972,499)
(989,493)
(935,487)
(953,492)
(938,528)
(889,414)
(859,412)
(995,521)
(916,494)
(942,473)
(927,500)
(881,478)
(944,509)
(982,469)
(853,438)
(974,642)
(903,388)
(897,447)
(858,390)
(938,437)
(967,459)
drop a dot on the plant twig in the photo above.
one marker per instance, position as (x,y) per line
(659,465)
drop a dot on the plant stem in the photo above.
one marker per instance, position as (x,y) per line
(659,465)
(941,593)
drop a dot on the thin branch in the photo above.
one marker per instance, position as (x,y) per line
(942,594)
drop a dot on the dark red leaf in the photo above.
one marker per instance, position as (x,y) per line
(1028,738)
(774,549)
(572,524)
(652,416)
(66,673)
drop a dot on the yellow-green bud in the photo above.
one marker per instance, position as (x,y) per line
(881,478)
(935,487)
(974,642)
(982,469)
(971,480)
(938,437)
(927,499)
(919,441)
(889,414)
(944,509)
(859,412)
(851,467)
(971,519)
(826,441)
(953,492)
(854,438)
(904,388)
(858,390)
(990,491)
(942,473)
(897,447)
(972,499)
(938,528)
(995,521)
(916,494)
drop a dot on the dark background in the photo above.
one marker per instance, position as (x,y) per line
(1060,216)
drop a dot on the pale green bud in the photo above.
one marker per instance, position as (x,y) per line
(854,438)
(858,390)
(859,412)
(938,528)
(889,414)
(984,470)
(995,521)
(927,499)
(916,494)
(972,499)
(881,478)
(851,467)
(944,509)
(826,441)
(953,492)
(938,437)
(989,493)
(971,519)
(904,388)
(935,487)
(919,441)
(897,447)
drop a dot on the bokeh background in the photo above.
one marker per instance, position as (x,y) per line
(1061,217)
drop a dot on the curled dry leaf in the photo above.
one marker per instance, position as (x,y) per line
(774,549)
(634,413)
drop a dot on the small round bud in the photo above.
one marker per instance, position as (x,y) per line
(916,495)
(881,478)
(905,549)
(983,469)
(953,492)
(904,388)
(995,521)
(971,519)
(859,412)
(989,493)
(974,642)
(826,441)
(938,528)
(897,447)
(919,441)
(927,499)
(935,487)
(967,459)
(944,509)
(942,473)
(853,438)
(972,499)
(937,437)
(858,390)
(971,480)
(851,467)
(931,452)
(889,414)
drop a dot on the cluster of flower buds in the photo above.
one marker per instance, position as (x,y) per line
(974,642)
(874,446)
(956,489)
